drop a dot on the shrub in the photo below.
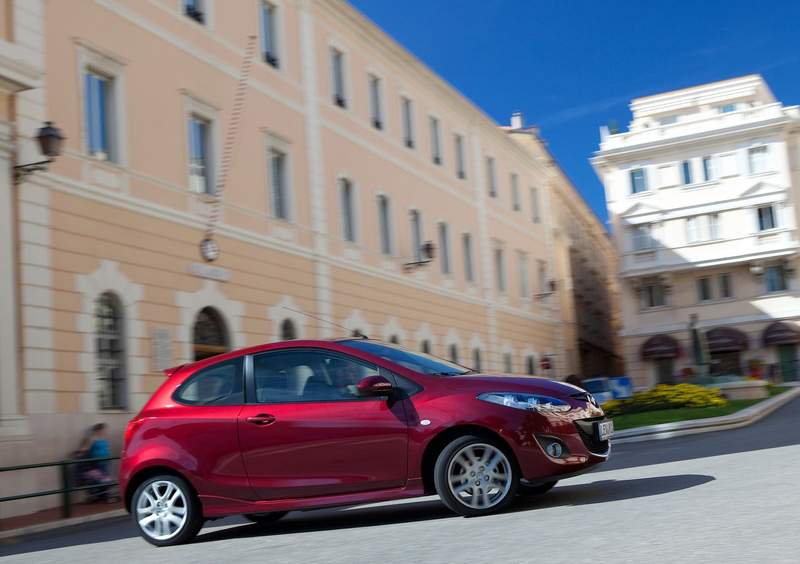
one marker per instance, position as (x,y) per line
(666,397)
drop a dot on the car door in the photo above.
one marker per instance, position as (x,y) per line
(301,436)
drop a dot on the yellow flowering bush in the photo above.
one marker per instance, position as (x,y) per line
(666,397)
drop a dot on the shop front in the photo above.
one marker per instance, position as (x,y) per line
(661,351)
(725,346)
(785,338)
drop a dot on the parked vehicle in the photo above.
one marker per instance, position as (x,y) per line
(606,389)
(309,424)
(600,388)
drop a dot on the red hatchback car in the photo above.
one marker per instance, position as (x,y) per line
(308,424)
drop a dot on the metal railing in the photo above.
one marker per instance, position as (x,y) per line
(67,488)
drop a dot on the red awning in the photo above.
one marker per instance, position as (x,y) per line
(660,346)
(780,333)
(725,339)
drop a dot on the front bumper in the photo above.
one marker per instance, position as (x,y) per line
(531,432)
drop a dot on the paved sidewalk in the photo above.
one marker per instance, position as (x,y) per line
(51,518)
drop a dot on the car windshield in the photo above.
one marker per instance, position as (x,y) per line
(417,361)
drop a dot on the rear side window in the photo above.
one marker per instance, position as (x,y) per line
(218,384)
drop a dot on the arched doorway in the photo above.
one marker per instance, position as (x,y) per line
(725,345)
(784,337)
(210,334)
(662,350)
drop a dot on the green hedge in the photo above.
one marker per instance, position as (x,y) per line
(666,397)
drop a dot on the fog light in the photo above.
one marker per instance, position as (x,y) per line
(554,449)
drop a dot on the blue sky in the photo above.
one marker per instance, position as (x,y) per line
(573,65)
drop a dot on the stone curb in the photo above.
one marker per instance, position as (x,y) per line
(59,524)
(741,418)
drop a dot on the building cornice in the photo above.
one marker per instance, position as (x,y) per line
(664,268)
(684,142)
(16,74)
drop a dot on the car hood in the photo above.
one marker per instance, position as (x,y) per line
(497,382)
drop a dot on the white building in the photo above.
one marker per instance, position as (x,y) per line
(701,201)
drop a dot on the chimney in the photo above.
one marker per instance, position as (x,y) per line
(517,121)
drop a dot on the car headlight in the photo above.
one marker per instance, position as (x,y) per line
(527,402)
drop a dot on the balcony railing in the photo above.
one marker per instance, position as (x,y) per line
(693,123)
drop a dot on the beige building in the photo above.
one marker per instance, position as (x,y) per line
(349,156)
(702,198)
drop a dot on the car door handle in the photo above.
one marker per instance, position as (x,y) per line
(261,419)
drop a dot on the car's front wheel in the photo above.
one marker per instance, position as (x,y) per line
(476,476)
(166,511)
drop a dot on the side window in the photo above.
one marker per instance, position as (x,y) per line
(308,376)
(218,384)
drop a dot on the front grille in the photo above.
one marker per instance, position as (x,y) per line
(589,440)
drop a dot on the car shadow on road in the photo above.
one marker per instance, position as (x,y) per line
(423,509)
(603,491)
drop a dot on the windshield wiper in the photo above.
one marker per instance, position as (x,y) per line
(453,373)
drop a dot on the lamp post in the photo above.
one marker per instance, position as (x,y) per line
(50,139)
(428,251)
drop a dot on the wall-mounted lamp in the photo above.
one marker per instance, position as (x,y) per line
(553,287)
(50,142)
(427,252)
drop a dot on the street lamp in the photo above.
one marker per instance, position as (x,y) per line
(50,139)
(428,251)
(553,285)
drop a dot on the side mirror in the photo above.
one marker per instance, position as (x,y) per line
(374,386)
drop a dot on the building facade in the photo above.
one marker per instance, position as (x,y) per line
(350,155)
(701,194)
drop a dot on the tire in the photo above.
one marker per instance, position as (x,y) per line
(265,518)
(458,476)
(166,511)
(538,489)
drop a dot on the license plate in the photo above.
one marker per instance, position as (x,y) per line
(605,429)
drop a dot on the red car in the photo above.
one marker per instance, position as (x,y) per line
(308,424)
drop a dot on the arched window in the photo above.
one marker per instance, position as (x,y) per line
(356,333)
(394,339)
(425,346)
(508,363)
(210,334)
(288,331)
(531,364)
(476,360)
(109,326)
(452,352)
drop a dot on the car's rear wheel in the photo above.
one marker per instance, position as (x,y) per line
(265,518)
(166,511)
(537,489)
(476,476)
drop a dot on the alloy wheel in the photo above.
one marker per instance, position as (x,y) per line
(479,476)
(161,510)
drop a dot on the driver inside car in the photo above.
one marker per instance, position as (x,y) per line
(344,377)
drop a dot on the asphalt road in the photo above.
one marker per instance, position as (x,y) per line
(728,496)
